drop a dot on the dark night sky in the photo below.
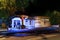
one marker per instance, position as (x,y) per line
(40,6)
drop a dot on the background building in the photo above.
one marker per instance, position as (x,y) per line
(30,22)
(42,21)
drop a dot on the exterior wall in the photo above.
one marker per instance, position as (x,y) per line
(29,23)
(38,21)
(41,21)
(47,23)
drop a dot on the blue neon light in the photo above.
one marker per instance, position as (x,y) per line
(17,24)
(29,23)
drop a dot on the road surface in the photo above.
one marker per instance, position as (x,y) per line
(54,36)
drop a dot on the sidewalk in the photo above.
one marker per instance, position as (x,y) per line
(3,30)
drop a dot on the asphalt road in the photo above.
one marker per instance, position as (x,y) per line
(54,36)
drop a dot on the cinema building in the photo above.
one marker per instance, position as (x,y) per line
(27,22)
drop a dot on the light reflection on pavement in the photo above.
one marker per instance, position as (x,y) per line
(40,37)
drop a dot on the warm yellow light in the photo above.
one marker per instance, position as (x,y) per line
(24,16)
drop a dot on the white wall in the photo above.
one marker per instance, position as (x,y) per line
(29,23)
(15,22)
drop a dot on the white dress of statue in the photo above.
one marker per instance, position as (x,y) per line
(16,23)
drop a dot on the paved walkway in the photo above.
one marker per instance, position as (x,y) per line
(3,29)
(40,37)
